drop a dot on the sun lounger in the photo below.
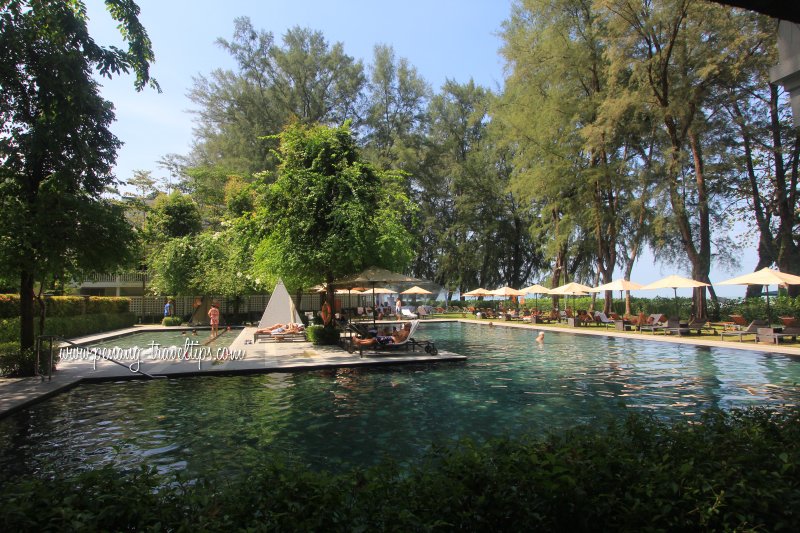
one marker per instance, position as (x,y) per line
(280,335)
(697,325)
(410,343)
(654,322)
(601,318)
(751,329)
(406,313)
(768,334)
(738,321)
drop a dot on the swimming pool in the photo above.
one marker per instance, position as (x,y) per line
(330,419)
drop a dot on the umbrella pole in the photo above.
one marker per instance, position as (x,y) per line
(769,318)
(677,313)
(374,314)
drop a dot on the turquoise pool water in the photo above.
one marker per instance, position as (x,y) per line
(336,418)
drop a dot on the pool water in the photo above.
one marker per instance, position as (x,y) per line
(165,339)
(334,419)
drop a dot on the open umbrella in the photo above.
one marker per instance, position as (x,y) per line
(765,276)
(674,282)
(478,292)
(507,291)
(416,289)
(536,290)
(573,288)
(618,285)
(373,276)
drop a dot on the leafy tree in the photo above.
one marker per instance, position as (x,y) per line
(767,151)
(204,263)
(145,188)
(575,171)
(57,151)
(306,80)
(328,214)
(664,65)
(173,215)
(396,118)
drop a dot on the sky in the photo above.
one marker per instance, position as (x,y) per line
(443,39)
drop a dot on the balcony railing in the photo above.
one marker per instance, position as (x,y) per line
(125,277)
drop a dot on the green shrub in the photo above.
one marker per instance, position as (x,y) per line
(172,321)
(67,306)
(14,362)
(9,305)
(74,326)
(732,472)
(78,326)
(323,335)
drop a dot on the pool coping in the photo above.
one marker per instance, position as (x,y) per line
(270,357)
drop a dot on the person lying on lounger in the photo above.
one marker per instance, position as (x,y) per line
(280,329)
(395,338)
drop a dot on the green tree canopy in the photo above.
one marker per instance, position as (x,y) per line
(307,79)
(329,214)
(172,215)
(57,151)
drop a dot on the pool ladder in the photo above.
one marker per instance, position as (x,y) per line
(51,338)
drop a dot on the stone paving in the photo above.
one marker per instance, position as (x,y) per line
(286,356)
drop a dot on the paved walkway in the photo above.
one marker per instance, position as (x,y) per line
(286,356)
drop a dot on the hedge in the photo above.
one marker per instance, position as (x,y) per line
(727,472)
(67,305)
(74,326)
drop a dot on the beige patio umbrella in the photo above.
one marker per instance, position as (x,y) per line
(507,291)
(415,290)
(478,292)
(674,282)
(536,290)
(383,290)
(372,277)
(618,285)
(765,276)
(573,289)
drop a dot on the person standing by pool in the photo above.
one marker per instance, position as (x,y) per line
(213,315)
(169,308)
(398,308)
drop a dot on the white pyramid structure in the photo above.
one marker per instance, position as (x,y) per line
(280,308)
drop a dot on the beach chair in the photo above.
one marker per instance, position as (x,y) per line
(654,322)
(422,312)
(601,318)
(697,325)
(752,329)
(674,326)
(410,343)
(281,336)
(406,313)
(768,334)
(738,321)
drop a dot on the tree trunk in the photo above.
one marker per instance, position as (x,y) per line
(26,298)
(701,267)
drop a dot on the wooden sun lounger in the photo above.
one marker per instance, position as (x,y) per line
(752,329)
(295,337)
(768,334)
